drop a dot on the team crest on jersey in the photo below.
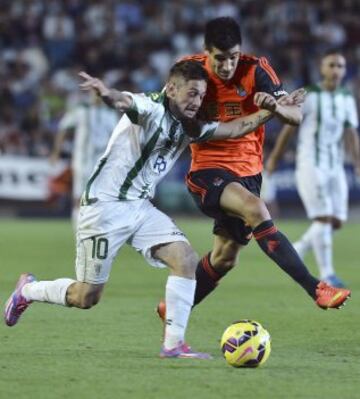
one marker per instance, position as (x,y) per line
(217,181)
(156,97)
(240,91)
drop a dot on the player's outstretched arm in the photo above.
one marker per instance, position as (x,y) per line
(113,98)
(58,144)
(288,109)
(352,145)
(241,126)
(281,142)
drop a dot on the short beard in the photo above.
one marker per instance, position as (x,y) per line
(191,126)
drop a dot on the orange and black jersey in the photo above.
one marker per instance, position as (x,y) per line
(227,100)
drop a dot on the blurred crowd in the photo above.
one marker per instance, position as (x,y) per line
(132,43)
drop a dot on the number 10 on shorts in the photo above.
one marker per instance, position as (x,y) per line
(100,247)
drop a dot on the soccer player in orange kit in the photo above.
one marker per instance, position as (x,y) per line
(225,176)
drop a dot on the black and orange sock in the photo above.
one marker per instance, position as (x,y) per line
(206,279)
(281,251)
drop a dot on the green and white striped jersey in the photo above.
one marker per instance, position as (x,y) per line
(142,149)
(326,114)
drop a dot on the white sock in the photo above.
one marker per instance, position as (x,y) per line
(322,245)
(48,291)
(179,299)
(304,244)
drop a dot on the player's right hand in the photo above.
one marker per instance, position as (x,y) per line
(91,83)
(297,97)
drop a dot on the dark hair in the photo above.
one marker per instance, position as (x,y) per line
(222,33)
(333,51)
(189,70)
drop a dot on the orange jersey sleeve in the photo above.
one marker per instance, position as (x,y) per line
(225,101)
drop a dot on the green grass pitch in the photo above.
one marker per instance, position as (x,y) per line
(111,351)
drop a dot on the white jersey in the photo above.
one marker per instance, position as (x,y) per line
(326,114)
(142,149)
(93,126)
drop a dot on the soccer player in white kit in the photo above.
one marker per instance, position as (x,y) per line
(116,207)
(330,119)
(93,123)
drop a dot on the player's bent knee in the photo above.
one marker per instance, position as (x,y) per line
(180,258)
(257,212)
(336,224)
(84,295)
(186,263)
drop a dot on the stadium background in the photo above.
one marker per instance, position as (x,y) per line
(131,44)
(112,351)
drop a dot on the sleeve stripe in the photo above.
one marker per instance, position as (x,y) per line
(268,69)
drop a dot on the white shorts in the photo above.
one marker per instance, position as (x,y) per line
(323,193)
(268,188)
(105,227)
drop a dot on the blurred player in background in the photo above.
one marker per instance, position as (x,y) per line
(116,207)
(92,123)
(269,193)
(225,176)
(330,121)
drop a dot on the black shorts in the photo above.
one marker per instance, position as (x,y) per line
(206,187)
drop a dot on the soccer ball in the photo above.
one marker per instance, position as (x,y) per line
(246,343)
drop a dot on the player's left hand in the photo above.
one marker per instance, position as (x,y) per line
(297,97)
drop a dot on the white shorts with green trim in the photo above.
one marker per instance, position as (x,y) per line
(323,193)
(104,227)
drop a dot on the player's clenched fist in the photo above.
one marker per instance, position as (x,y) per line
(265,101)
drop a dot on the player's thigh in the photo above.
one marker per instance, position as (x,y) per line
(156,229)
(103,229)
(315,192)
(340,195)
(207,186)
(237,200)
